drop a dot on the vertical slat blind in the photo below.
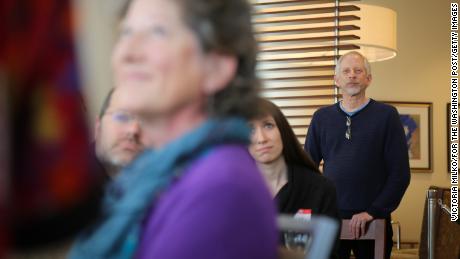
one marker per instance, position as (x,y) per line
(299,42)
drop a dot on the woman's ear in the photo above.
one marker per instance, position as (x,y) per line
(220,70)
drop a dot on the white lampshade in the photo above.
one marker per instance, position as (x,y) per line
(377,33)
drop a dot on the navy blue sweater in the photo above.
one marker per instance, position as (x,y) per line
(370,170)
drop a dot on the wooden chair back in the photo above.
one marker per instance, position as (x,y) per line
(375,231)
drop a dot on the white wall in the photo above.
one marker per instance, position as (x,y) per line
(96,24)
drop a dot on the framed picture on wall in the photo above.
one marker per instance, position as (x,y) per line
(416,120)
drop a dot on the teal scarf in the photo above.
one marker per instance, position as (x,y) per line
(129,197)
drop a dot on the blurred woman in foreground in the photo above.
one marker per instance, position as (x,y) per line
(198,194)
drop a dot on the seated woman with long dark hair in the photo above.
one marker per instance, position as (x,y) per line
(290,174)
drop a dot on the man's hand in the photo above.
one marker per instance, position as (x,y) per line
(357,224)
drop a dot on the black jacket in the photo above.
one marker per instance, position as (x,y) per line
(307,189)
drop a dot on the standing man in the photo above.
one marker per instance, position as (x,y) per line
(362,144)
(119,132)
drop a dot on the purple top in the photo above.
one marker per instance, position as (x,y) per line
(220,208)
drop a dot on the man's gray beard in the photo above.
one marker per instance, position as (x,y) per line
(352,92)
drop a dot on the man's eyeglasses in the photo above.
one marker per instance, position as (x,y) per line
(348,131)
(123,117)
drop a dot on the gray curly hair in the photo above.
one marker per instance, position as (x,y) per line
(224,26)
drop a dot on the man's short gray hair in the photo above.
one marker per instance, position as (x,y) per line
(367,66)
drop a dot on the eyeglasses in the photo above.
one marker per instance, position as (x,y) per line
(348,131)
(123,117)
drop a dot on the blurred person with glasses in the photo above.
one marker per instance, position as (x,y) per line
(363,147)
(119,130)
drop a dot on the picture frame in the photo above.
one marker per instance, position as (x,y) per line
(417,122)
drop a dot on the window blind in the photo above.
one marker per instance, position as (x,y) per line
(299,44)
